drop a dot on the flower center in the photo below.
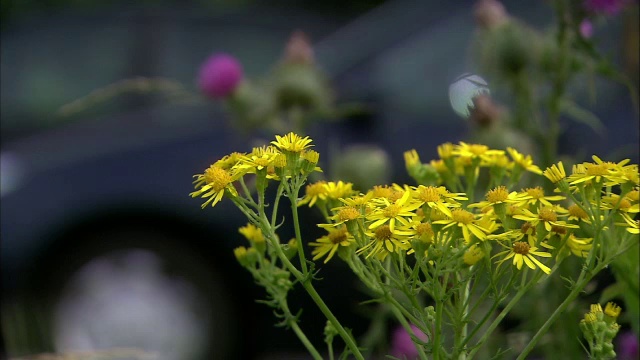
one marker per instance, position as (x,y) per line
(383,233)
(597,169)
(382,191)
(528,228)
(429,194)
(547,215)
(424,229)
(497,195)
(217,177)
(521,247)
(338,236)
(462,216)
(263,162)
(535,192)
(576,211)
(395,195)
(391,211)
(558,229)
(348,213)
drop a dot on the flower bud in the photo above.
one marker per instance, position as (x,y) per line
(490,13)
(299,49)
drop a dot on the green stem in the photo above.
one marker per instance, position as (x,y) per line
(318,300)
(409,330)
(293,197)
(305,341)
(346,337)
(521,291)
(580,284)
(464,313)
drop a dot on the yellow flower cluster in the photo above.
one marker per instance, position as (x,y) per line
(287,156)
(526,227)
(529,225)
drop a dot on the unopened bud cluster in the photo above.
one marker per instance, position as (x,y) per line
(599,329)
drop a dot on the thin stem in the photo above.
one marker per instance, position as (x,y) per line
(319,302)
(464,296)
(293,197)
(409,330)
(580,284)
(521,291)
(291,322)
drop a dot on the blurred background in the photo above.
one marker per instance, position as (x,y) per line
(101,246)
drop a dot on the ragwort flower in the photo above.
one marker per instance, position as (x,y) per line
(467,222)
(522,252)
(399,211)
(213,184)
(292,143)
(329,244)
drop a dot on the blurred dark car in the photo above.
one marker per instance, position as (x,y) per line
(104,199)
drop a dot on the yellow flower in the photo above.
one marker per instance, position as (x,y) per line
(338,190)
(438,198)
(522,252)
(612,310)
(537,197)
(399,211)
(313,193)
(341,215)
(500,195)
(467,222)
(526,162)
(229,161)
(633,226)
(252,233)
(579,247)
(292,143)
(498,161)
(625,173)
(384,241)
(473,255)
(411,159)
(330,243)
(578,214)
(555,173)
(213,184)
(260,158)
(445,150)
(613,201)
(547,215)
(357,201)
(474,151)
(598,170)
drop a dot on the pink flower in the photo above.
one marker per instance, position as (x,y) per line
(401,344)
(606,7)
(586,29)
(220,75)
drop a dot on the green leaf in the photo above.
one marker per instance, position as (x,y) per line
(611,292)
(582,115)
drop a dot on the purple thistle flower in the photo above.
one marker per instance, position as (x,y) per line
(628,346)
(606,7)
(220,75)
(401,344)
(586,29)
